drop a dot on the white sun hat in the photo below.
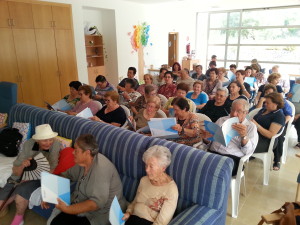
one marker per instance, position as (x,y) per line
(43,132)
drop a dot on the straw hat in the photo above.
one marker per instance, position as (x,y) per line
(43,132)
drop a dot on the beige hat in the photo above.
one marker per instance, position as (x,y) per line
(43,132)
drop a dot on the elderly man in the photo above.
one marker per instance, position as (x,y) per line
(198,75)
(185,78)
(241,145)
(130,75)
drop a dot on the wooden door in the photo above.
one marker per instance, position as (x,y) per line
(66,59)
(21,14)
(42,16)
(4,14)
(62,17)
(173,48)
(8,60)
(25,45)
(48,64)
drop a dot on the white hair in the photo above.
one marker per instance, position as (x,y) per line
(161,153)
(225,89)
(242,102)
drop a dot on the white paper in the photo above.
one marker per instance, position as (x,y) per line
(224,134)
(86,113)
(53,187)
(62,105)
(115,213)
(162,128)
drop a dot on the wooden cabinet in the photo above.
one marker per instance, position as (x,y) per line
(47,16)
(189,63)
(37,52)
(94,56)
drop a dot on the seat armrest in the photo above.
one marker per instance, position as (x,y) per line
(199,215)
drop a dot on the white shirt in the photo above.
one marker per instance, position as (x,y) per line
(234,147)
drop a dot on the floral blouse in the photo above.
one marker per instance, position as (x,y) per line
(72,102)
(167,90)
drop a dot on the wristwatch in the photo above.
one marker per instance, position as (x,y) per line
(245,138)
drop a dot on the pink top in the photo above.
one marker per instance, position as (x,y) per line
(93,105)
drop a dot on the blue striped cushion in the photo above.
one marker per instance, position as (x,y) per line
(125,149)
(69,126)
(28,114)
(199,215)
(202,178)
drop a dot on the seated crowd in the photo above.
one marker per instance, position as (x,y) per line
(180,93)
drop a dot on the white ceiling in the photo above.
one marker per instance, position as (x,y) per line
(152,1)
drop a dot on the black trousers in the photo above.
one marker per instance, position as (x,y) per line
(297,126)
(279,148)
(68,219)
(135,220)
(236,161)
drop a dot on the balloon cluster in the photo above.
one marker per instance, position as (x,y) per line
(140,36)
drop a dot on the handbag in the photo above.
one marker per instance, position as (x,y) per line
(288,214)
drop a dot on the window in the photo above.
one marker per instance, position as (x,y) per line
(272,36)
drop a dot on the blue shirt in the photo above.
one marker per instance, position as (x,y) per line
(273,117)
(202,98)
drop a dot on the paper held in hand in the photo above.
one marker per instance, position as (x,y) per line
(162,128)
(223,134)
(54,187)
(60,105)
(115,213)
(86,113)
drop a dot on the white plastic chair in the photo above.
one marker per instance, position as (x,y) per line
(287,134)
(162,113)
(163,99)
(267,157)
(127,112)
(235,186)
(194,107)
(98,104)
(253,113)
(201,117)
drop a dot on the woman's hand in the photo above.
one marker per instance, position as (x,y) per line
(61,206)
(26,162)
(205,134)
(177,127)
(44,205)
(126,96)
(126,216)
(95,118)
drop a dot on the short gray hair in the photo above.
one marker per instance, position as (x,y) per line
(162,154)
(225,89)
(87,142)
(242,102)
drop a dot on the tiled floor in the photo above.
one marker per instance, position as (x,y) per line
(259,199)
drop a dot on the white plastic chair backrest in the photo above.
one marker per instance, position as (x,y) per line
(194,107)
(98,104)
(253,113)
(203,117)
(163,99)
(162,113)
(271,145)
(127,112)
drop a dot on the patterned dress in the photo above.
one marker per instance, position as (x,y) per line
(167,90)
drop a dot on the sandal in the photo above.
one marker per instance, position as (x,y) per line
(276,166)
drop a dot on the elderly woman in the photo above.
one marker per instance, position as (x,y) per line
(98,182)
(141,101)
(144,115)
(169,88)
(112,113)
(42,142)
(211,84)
(269,121)
(129,95)
(102,87)
(272,79)
(148,79)
(176,68)
(236,92)
(222,78)
(156,197)
(159,80)
(86,101)
(198,96)
(188,123)
(218,107)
